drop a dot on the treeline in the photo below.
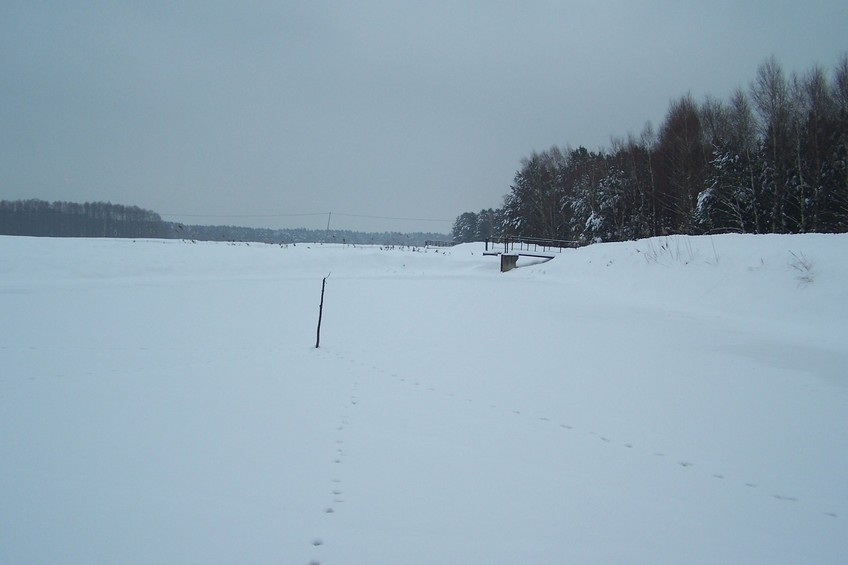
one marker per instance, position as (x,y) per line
(770,159)
(104,219)
(70,219)
(301,235)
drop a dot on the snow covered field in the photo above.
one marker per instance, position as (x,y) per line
(673,400)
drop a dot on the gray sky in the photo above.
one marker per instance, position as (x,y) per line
(274,113)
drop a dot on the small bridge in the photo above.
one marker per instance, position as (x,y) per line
(514,247)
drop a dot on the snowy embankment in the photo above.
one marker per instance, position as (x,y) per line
(672,400)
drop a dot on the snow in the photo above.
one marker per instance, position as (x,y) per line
(678,399)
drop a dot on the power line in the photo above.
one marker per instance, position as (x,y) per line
(390,218)
(304,215)
(244,215)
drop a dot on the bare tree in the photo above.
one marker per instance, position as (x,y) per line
(744,138)
(840,89)
(683,163)
(649,142)
(770,94)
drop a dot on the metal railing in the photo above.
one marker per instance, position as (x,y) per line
(530,244)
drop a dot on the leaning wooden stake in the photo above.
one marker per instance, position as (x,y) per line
(321,311)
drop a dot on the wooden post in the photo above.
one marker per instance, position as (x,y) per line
(321,311)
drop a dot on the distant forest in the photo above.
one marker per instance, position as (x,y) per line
(770,159)
(104,219)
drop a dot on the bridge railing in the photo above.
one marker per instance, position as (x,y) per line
(535,244)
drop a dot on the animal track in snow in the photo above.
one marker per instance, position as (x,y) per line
(340,453)
(682,463)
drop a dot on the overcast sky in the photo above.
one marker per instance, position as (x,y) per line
(274,113)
